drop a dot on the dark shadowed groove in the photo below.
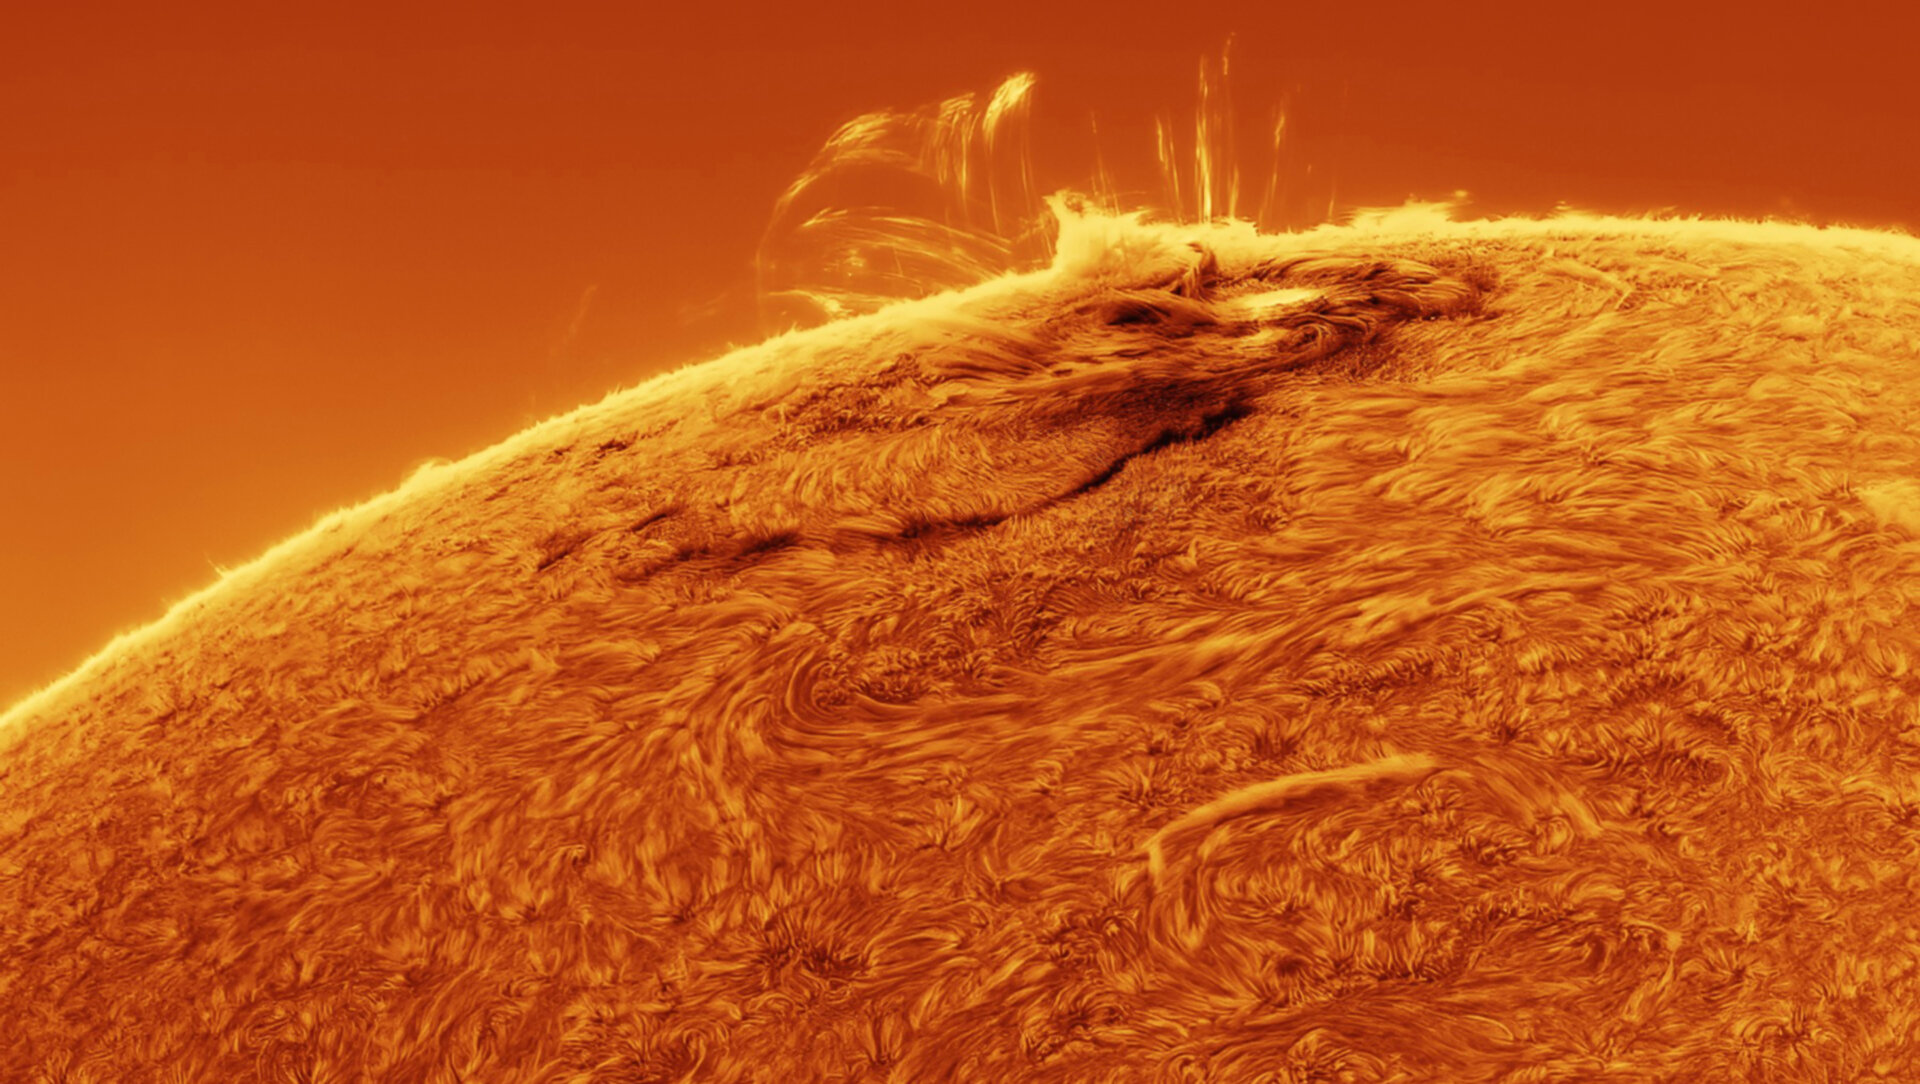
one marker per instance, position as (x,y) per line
(1209,425)
(654,517)
(1151,379)
(740,552)
(559,545)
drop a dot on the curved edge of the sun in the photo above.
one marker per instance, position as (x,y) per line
(1090,246)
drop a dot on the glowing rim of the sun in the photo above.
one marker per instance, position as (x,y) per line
(1089,244)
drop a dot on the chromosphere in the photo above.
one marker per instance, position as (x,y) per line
(1470,651)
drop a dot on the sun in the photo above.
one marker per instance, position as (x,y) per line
(1410,648)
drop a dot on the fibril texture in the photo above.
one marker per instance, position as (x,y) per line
(1411,651)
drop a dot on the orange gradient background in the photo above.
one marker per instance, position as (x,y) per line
(257,262)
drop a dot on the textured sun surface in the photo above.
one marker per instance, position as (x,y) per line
(1411,650)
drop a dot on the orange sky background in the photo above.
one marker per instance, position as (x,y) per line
(257,261)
